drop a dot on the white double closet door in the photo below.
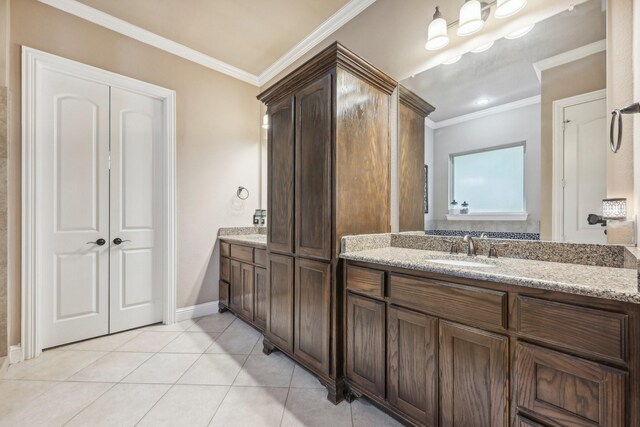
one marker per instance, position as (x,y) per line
(98,162)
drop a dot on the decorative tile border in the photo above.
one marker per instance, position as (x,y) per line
(491,234)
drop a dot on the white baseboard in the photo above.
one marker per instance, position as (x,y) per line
(191,312)
(15,354)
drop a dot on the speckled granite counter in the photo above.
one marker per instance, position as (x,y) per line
(257,240)
(614,283)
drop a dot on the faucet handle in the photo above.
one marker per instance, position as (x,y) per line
(493,249)
(454,246)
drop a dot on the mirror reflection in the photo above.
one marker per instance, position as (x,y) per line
(516,145)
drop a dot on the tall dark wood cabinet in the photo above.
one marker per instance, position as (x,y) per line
(412,110)
(329,176)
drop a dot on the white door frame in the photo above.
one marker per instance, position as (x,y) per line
(33,61)
(557,201)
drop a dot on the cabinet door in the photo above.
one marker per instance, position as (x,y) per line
(235,288)
(412,378)
(365,343)
(260,297)
(280,301)
(567,389)
(313,169)
(246,283)
(312,313)
(223,291)
(473,377)
(281,177)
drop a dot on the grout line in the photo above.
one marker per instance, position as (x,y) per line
(90,403)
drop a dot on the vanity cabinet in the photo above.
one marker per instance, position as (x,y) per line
(438,350)
(412,111)
(243,282)
(329,176)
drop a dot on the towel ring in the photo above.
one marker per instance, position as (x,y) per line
(616,115)
(242,193)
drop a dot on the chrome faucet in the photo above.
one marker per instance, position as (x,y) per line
(471,251)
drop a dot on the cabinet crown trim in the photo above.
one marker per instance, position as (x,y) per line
(413,101)
(336,55)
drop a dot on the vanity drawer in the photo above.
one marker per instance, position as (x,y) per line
(596,332)
(242,253)
(224,249)
(260,257)
(484,307)
(365,281)
(225,269)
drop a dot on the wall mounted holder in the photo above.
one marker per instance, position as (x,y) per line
(616,115)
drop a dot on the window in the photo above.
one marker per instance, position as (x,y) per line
(491,180)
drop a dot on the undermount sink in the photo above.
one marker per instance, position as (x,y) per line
(461,263)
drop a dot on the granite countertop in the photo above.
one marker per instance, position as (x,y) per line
(603,282)
(258,240)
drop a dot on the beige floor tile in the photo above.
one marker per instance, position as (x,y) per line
(53,365)
(257,349)
(303,379)
(17,393)
(217,322)
(269,371)
(191,342)
(56,406)
(251,406)
(148,342)
(309,407)
(176,327)
(365,414)
(214,369)
(107,343)
(123,405)
(162,368)
(186,405)
(113,367)
(239,338)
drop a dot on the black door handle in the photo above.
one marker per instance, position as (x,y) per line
(98,242)
(118,241)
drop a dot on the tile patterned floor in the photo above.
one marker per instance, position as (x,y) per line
(203,372)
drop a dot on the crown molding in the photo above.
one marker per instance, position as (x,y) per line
(569,56)
(112,23)
(484,113)
(328,27)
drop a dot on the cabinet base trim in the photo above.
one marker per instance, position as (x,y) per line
(199,310)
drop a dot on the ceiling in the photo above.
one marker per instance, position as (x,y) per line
(247,34)
(505,73)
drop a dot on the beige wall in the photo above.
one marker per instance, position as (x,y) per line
(4,95)
(218,139)
(578,77)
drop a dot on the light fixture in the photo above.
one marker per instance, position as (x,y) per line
(452,60)
(507,8)
(520,33)
(614,208)
(265,121)
(437,37)
(483,48)
(470,20)
(482,101)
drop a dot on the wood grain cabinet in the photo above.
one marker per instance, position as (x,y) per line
(474,377)
(569,390)
(329,176)
(246,291)
(366,344)
(412,369)
(260,297)
(235,286)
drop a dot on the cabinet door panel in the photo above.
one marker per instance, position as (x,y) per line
(312,312)
(365,343)
(473,377)
(281,168)
(224,269)
(567,389)
(313,169)
(246,300)
(235,288)
(412,370)
(280,301)
(260,297)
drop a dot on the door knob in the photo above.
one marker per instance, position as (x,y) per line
(118,240)
(98,242)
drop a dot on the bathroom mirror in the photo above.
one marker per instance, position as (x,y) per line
(519,132)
